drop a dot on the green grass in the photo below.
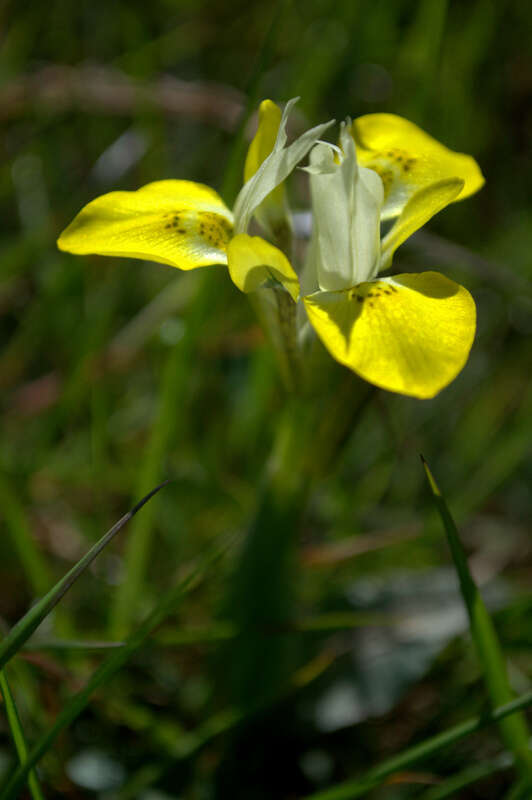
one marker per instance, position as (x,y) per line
(118,374)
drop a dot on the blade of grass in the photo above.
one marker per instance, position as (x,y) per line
(514,731)
(167,427)
(377,775)
(30,621)
(33,564)
(222,631)
(137,549)
(519,791)
(235,161)
(71,645)
(107,669)
(221,722)
(466,777)
(423,54)
(17,733)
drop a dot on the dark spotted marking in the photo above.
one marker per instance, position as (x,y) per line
(210,226)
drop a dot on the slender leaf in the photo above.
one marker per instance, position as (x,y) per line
(33,564)
(466,777)
(519,791)
(514,730)
(222,631)
(17,733)
(235,162)
(377,775)
(137,549)
(30,621)
(107,669)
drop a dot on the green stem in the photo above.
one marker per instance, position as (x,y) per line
(286,314)
(262,591)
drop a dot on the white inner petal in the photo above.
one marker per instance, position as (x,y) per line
(274,169)
(346,202)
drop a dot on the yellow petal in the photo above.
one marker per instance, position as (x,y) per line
(254,263)
(274,169)
(418,210)
(180,223)
(272,209)
(408,159)
(264,140)
(409,334)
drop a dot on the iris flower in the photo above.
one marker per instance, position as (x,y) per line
(186,224)
(410,333)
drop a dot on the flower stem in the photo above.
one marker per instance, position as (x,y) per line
(260,602)
(286,313)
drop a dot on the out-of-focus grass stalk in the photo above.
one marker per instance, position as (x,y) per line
(466,777)
(150,468)
(514,730)
(221,632)
(175,373)
(17,733)
(519,791)
(107,669)
(358,787)
(234,168)
(423,53)
(261,592)
(23,629)
(192,741)
(33,564)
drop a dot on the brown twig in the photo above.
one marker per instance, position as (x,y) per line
(106,90)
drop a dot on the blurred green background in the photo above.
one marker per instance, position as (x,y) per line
(117,374)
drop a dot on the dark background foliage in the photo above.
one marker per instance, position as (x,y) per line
(115,374)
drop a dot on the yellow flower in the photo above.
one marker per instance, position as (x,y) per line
(408,159)
(186,224)
(409,334)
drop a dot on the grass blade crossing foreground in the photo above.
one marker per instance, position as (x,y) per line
(30,621)
(514,731)
(105,671)
(477,772)
(520,791)
(18,734)
(358,787)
